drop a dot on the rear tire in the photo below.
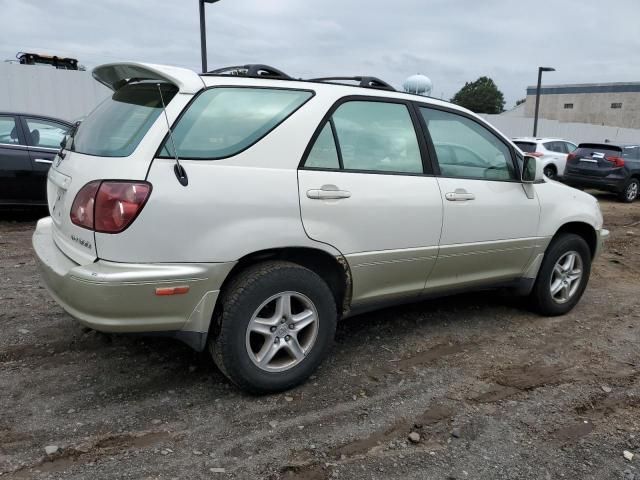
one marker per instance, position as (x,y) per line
(557,290)
(550,172)
(630,191)
(276,325)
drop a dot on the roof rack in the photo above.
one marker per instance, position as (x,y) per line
(258,70)
(252,70)
(366,82)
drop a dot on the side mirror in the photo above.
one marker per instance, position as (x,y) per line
(532,170)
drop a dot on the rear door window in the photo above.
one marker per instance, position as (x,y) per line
(631,151)
(368,136)
(223,121)
(45,133)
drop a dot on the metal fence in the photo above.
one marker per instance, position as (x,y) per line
(66,94)
(513,126)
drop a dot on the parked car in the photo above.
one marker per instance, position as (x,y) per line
(28,144)
(606,166)
(275,207)
(552,152)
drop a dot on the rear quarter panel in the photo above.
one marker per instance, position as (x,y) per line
(230,208)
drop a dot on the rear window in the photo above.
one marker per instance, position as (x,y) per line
(597,150)
(526,147)
(631,151)
(117,125)
(223,121)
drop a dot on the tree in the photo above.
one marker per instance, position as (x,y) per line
(481,96)
(521,101)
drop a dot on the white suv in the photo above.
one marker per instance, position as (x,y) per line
(551,152)
(276,207)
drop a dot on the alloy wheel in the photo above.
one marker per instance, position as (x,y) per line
(566,277)
(282,331)
(632,191)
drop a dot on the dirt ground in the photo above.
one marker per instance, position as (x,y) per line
(492,390)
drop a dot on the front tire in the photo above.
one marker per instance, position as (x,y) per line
(630,191)
(563,275)
(276,325)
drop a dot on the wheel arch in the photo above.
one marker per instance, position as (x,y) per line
(582,229)
(332,269)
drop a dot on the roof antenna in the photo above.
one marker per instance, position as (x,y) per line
(181,173)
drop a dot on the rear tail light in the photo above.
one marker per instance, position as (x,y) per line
(109,206)
(571,156)
(535,154)
(617,161)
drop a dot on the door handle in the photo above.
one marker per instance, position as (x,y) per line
(43,160)
(460,195)
(328,192)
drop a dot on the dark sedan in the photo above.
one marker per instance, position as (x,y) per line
(28,145)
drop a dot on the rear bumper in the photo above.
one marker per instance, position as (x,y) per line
(121,297)
(609,183)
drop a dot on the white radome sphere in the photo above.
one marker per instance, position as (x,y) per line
(418,84)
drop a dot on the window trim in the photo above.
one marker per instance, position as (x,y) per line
(27,132)
(486,126)
(21,139)
(197,95)
(328,117)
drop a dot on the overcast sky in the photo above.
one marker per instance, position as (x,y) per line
(451,41)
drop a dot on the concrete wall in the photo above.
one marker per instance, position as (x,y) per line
(575,132)
(593,106)
(66,94)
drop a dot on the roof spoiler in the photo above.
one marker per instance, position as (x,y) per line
(116,75)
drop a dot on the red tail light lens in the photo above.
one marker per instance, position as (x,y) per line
(114,205)
(82,209)
(571,156)
(617,161)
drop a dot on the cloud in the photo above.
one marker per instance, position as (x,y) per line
(451,41)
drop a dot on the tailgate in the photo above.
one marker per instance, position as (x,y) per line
(117,141)
(66,177)
(593,159)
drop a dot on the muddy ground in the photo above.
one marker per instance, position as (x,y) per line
(493,390)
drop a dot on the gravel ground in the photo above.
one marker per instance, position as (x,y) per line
(484,388)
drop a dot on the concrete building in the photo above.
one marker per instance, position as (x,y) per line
(610,104)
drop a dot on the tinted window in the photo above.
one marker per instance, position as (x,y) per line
(324,153)
(377,136)
(478,153)
(527,147)
(631,151)
(45,133)
(597,150)
(8,131)
(223,121)
(117,125)
(554,146)
(570,147)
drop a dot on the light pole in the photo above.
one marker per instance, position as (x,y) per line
(535,119)
(203,34)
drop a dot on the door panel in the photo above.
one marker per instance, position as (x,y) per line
(489,224)
(488,238)
(43,138)
(15,165)
(363,190)
(388,228)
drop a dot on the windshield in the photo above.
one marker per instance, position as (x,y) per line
(117,125)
